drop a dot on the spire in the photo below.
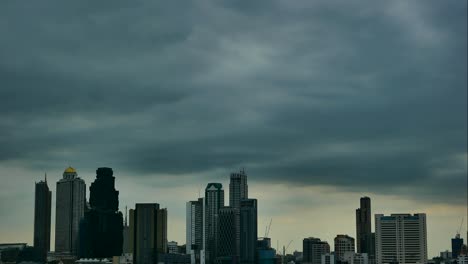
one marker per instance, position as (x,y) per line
(125,215)
(45,177)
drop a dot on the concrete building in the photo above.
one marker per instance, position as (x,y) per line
(343,244)
(248,230)
(214,200)
(42,213)
(356,258)
(364,226)
(194,229)
(238,189)
(161,231)
(313,249)
(328,259)
(229,235)
(401,238)
(70,207)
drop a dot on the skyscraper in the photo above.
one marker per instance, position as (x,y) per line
(248,230)
(313,249)
(161,230)
(364,227)
(214,200)
(343,244)
(102,226)
(457,244)
(42,209)
(238,188)
(401,238)
(145,233)
(229,235)
(70,207)
(194,229)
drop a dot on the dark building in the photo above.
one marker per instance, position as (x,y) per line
(248,230)
(229,235)
(102,227)
(214,200)
(42,210)
(364,227)
(457,244)
(313,249)
(238,189)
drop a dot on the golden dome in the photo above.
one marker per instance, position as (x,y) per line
(70,170)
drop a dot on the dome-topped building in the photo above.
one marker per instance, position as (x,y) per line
(70,173)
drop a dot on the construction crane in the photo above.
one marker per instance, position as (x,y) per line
(284,251)
(267,228)
(459,229)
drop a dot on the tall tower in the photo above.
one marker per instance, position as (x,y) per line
(194,229)
(229,235)
(70,207)
(364,227)
(161,237)
(42,209)
(248,231)
(145,233)
(214,200)
(238,188)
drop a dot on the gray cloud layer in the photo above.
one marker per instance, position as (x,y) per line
(352,94)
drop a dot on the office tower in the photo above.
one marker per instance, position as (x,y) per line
(401,238)
(343,244)
(457,244)
(265,254)
(313,249)
(161,230)
(214,200)
(229,235)
(145,233)
(102,226)
(70,207)
(327,259)
(194,229)
(248,230)
(42,210)
(364,226)
(127,241)
(238,188)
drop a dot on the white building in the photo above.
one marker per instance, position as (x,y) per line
(328,259)
(172,247)
(401,238)
(356,258)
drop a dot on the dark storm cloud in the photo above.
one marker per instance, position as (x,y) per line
(356,95)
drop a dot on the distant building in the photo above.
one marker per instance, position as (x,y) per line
(364,226)
(126,258)
(127,247)
(238,189)
(457,244)
(214,200)
(328,259)
(42,212)
(229,235)
(265,254)
(356,258)
(162,231)
(174,258)
(70,207)
(401,238)
(313,249)
(194,229)
(172,247)
(446,255)
(343,244)
(248,230)
(462,259)
(145,233)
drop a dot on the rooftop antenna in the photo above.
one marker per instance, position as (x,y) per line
(125,215)
(45,177)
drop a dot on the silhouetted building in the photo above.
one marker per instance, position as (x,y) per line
(328,259)
(313,249)
(401,238)
(70,207)
(238,189)
(127,247)
(343,244)
(149,227)
(102,227)
(265,254)
(42,212)
(364,226)
(248,230)
(214,200)
(457,244)
(194,229)
(229,235)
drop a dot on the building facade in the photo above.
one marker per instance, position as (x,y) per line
(162,231)
(248,230)
(343,244)
(42,212)
(194,229)
(457,244)
(70,207)
(229,235)
(214,200)
(145,226)
(364,226)
(313,249)
(328,259)
(401,238)
(238,188)
(356,258)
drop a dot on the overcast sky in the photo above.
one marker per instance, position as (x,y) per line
(321,101)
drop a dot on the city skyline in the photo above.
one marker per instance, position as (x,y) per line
(321,102)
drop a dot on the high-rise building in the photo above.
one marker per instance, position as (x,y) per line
(162,230)
(328,258)
(194,229)
(401,238)
(229,235)
(172,247)
(248,230)
(214,200)
(42,210)
(102,226)
(313,249)
(127,241)
(265,254)
(238,188)
(364,226)
(343,244)
(70,207)
(457,244)
(146,232)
